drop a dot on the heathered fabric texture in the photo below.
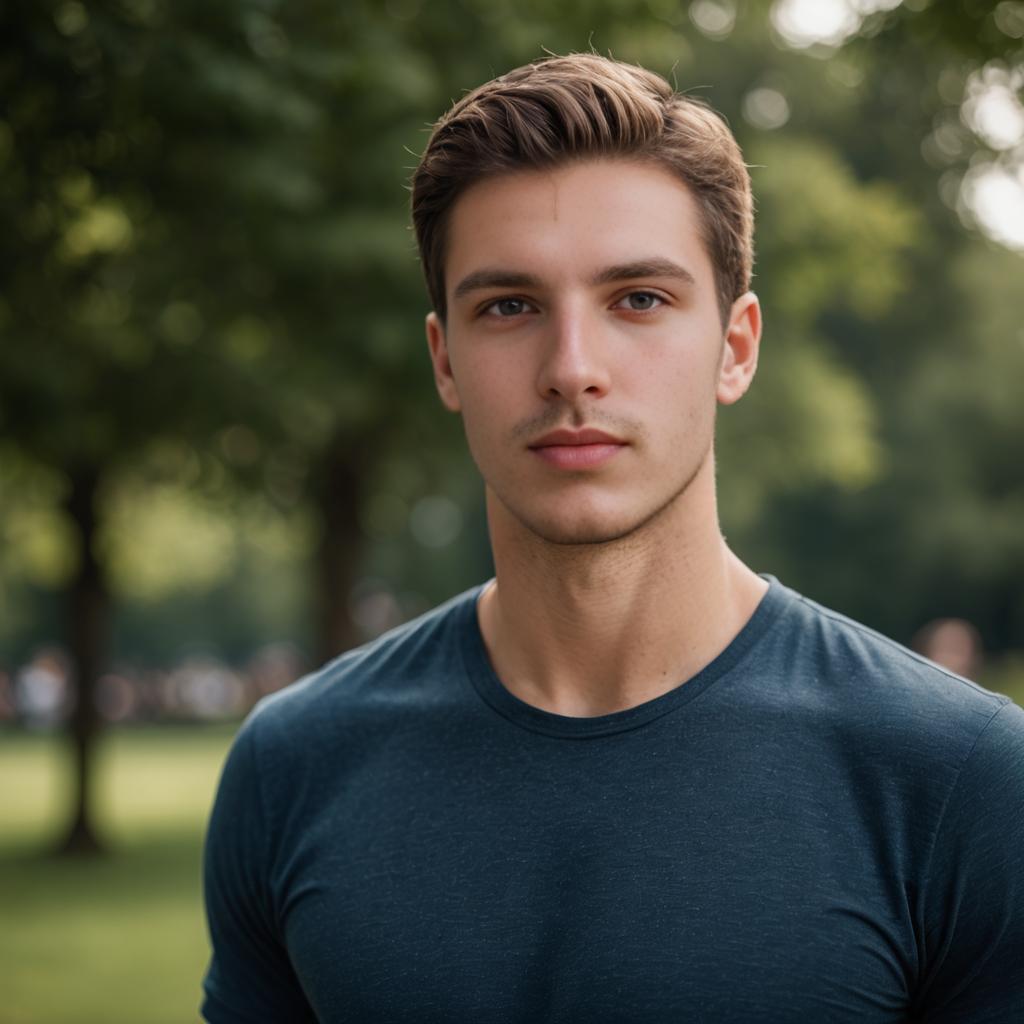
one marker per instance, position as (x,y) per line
(819,826)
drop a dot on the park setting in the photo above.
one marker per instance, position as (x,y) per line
(223,461)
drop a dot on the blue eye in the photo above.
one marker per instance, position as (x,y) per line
(641,302)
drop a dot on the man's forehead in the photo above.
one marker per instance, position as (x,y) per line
(550,191)
(585,220)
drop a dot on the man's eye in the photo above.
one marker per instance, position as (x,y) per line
(640,302)
(507,307)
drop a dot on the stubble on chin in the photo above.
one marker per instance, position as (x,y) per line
(590,529)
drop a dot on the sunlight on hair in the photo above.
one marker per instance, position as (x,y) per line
(803,23)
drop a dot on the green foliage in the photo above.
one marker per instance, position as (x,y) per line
(841,244)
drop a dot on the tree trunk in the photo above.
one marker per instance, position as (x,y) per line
(339,489)
(88,632)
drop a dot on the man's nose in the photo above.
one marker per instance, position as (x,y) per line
(573,359)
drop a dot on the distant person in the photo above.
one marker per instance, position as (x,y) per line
(952,643)
(41,690)
(628,779)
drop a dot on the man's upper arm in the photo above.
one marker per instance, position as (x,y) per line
(250,977)
(974,904)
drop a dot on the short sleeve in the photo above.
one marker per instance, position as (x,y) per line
(250,978)
(974,893)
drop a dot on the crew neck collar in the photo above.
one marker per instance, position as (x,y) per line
(495,694)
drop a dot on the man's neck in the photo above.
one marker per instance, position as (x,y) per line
(586,630)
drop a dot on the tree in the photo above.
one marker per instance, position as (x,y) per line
(145,147)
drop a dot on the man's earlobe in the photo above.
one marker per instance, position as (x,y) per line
(740,352)
(438,344)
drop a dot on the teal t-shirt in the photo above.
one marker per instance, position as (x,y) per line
(819,826)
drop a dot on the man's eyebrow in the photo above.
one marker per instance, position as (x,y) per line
(656,266)
(494,278)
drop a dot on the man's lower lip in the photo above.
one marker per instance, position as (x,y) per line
(577,456)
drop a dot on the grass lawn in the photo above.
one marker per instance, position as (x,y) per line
(110,939)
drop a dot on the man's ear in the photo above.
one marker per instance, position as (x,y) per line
(739,354)
(438,345)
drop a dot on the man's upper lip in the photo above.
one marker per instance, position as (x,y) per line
(575,437)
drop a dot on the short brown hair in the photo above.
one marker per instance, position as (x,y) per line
(581,106)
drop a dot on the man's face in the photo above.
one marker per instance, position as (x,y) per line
(584,346)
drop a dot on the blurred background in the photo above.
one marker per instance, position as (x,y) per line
(222,460)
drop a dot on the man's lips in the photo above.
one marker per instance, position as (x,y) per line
(577,449)
(561,438)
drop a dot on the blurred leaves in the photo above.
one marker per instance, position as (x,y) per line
(841,243)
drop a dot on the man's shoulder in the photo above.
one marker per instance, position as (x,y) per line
(853,647)
(412,664)
(876,680)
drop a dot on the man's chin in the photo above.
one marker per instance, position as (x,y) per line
(583,524)
(581,530)
(582,536)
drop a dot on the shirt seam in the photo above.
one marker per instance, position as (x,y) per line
(927,872)
(867,631)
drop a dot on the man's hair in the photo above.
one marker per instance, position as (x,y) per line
(583,106)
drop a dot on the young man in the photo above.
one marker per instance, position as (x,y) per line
(628,779)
